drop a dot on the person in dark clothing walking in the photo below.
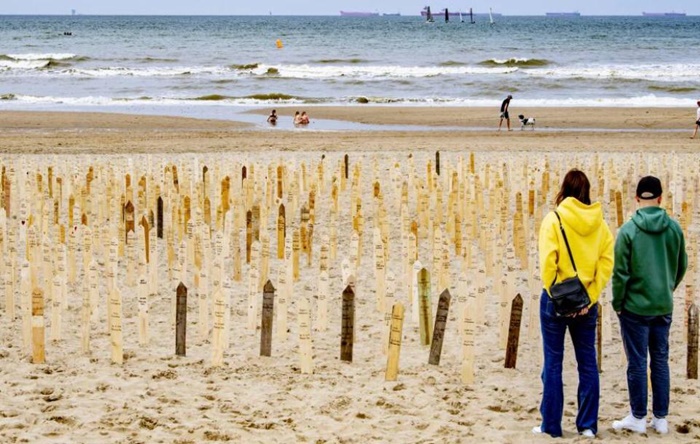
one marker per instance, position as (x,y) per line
(650,262)
(504,112)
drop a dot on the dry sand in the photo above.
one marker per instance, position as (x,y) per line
(156,397)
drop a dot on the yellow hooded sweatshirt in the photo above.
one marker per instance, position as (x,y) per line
(591,245)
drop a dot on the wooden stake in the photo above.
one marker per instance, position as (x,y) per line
(516,313)
(692,367)
(599,337)
(395,336)
(217,356)
(115,331)
(348,325)
(468,329)
(305,347)
(267,313)
(281,232)
(425,308)
(181,321)
(440,324)
(38,328)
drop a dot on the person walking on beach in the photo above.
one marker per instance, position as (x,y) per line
(504,112)
(650,262)
(697,121)
(591,244)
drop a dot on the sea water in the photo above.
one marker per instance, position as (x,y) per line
(210,65)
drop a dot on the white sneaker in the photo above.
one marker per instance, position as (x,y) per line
(588,433)
(659,424)
(537,430)
(631,423)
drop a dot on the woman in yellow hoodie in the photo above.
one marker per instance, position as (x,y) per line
(592,248)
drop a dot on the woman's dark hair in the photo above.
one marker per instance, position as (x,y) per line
(575,185)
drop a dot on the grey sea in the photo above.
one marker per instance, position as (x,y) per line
(206,65)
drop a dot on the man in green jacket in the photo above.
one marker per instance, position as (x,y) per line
(650,261)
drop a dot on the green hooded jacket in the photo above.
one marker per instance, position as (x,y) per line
(650,262)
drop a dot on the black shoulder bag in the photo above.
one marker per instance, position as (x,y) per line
(569,296)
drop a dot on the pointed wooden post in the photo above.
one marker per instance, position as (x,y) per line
(305,347)
(516,314)
(692,367)
(348,324)
(468,330)
(38,329)
(281,232)
(129,220)
(159,217)
(181,320)
(395,336)
(346,160)
(439,330)
(266,326)
(115,326)
(424,307)
(437,162)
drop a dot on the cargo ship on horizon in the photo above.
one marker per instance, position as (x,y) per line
(663,14)
(563,14)
(358,14)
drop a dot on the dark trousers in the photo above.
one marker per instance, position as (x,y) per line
(583,333)
(642,336)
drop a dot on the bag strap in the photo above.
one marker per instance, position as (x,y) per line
(566,241)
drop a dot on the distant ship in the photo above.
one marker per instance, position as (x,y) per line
(424,13)
(663,14)
(358,14)
(392,14)
(563,14)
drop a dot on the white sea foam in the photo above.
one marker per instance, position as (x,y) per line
(646,101)
(38,56)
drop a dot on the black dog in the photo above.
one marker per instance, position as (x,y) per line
(529,121)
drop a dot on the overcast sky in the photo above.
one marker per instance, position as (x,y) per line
(332,7)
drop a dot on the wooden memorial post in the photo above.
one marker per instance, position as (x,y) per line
(425,308)
(395,336)
(305,347)
(267,313)
(181,321)
(516,314)
(38,329)
(281,232)
(439,330)
(692,367)
(143,310)
(217,357)
(599,336)
(348,324)
(322,305)
(159,217)
(468,331)
(115,330)
(296,247)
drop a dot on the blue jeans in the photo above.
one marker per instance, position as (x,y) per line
(583,333)
(642,335)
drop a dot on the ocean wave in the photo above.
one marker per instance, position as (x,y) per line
(672,89)
(451,63)
(646,101)
(353,61)
(248,67)
(39,56)
(514,61)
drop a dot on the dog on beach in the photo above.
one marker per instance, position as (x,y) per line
(526,121)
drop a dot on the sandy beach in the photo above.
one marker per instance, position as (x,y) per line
(157,397)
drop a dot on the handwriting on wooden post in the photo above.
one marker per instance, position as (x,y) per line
(516,314)
(692,370)
(439,329)
(181,320)
(348,325)
(266,326)
(395,336)
(424,307)
(38,329)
